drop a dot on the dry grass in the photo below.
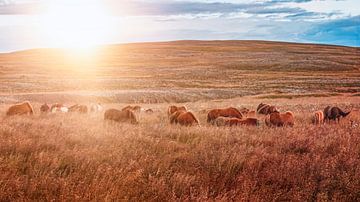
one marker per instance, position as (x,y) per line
(183,71)
(81,157)
(72,157)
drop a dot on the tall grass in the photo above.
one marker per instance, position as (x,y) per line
(81,157)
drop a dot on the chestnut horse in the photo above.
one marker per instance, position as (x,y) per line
(318,118)
(226,121)
(135,108)
(227,112)
(24,108)
(172,109)
(120,116)
(280,119)
(79,108)
(184,118)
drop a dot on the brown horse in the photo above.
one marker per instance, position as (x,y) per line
(44,108)
(280,119)
(318,118)
(334,113)
(79,108)
(120,116)
(266,109)
(226,121)
(184,118)
(172,109)
(227,112)
(135,108)
(24,108)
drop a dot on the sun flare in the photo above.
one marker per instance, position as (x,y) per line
(76,24)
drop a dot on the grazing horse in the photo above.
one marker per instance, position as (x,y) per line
(318,118)
(58,108)
(136,108)
(280,119)
(24,108)
(184,118)
(120,116)
(172,109)
(334,113)
(226,121)
(227,112)
(78,108)
(266,109)
(44,108)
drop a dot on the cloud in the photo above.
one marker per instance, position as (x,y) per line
(166,8)
(341,32)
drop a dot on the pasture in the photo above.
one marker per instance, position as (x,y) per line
(74,156)
(80,156)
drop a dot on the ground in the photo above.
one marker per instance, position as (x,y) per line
(82,157)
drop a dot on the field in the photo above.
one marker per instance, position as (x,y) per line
(81,157)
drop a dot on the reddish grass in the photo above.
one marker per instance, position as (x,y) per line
(81,157)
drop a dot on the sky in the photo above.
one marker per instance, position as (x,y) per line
(26,24)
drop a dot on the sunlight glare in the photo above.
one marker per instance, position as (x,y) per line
(76,24)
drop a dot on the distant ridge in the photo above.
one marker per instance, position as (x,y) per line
(178,42)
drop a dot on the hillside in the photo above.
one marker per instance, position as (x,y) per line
(179,71)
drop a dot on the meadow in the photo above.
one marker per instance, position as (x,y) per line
(82,157)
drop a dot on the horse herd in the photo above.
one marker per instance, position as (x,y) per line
(181,115)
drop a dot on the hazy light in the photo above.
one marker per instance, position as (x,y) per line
(76,24)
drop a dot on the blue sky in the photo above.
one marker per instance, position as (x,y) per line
(22,22)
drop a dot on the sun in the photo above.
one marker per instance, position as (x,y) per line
(76,24)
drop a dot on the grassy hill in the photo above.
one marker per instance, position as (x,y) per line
(179,71)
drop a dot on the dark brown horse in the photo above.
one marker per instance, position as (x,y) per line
(266,109)
(44,108)
(334,113)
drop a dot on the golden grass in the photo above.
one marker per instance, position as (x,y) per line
(81,157)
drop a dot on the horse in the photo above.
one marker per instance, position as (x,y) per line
(172,109)
(318,118)
(120,116)
(44,108)
(24,108)
(184,118)
(58,108)
(266,109)
(334,113)
(226,112)
(79,108)
(226,121)
(136,108)
(280,119)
